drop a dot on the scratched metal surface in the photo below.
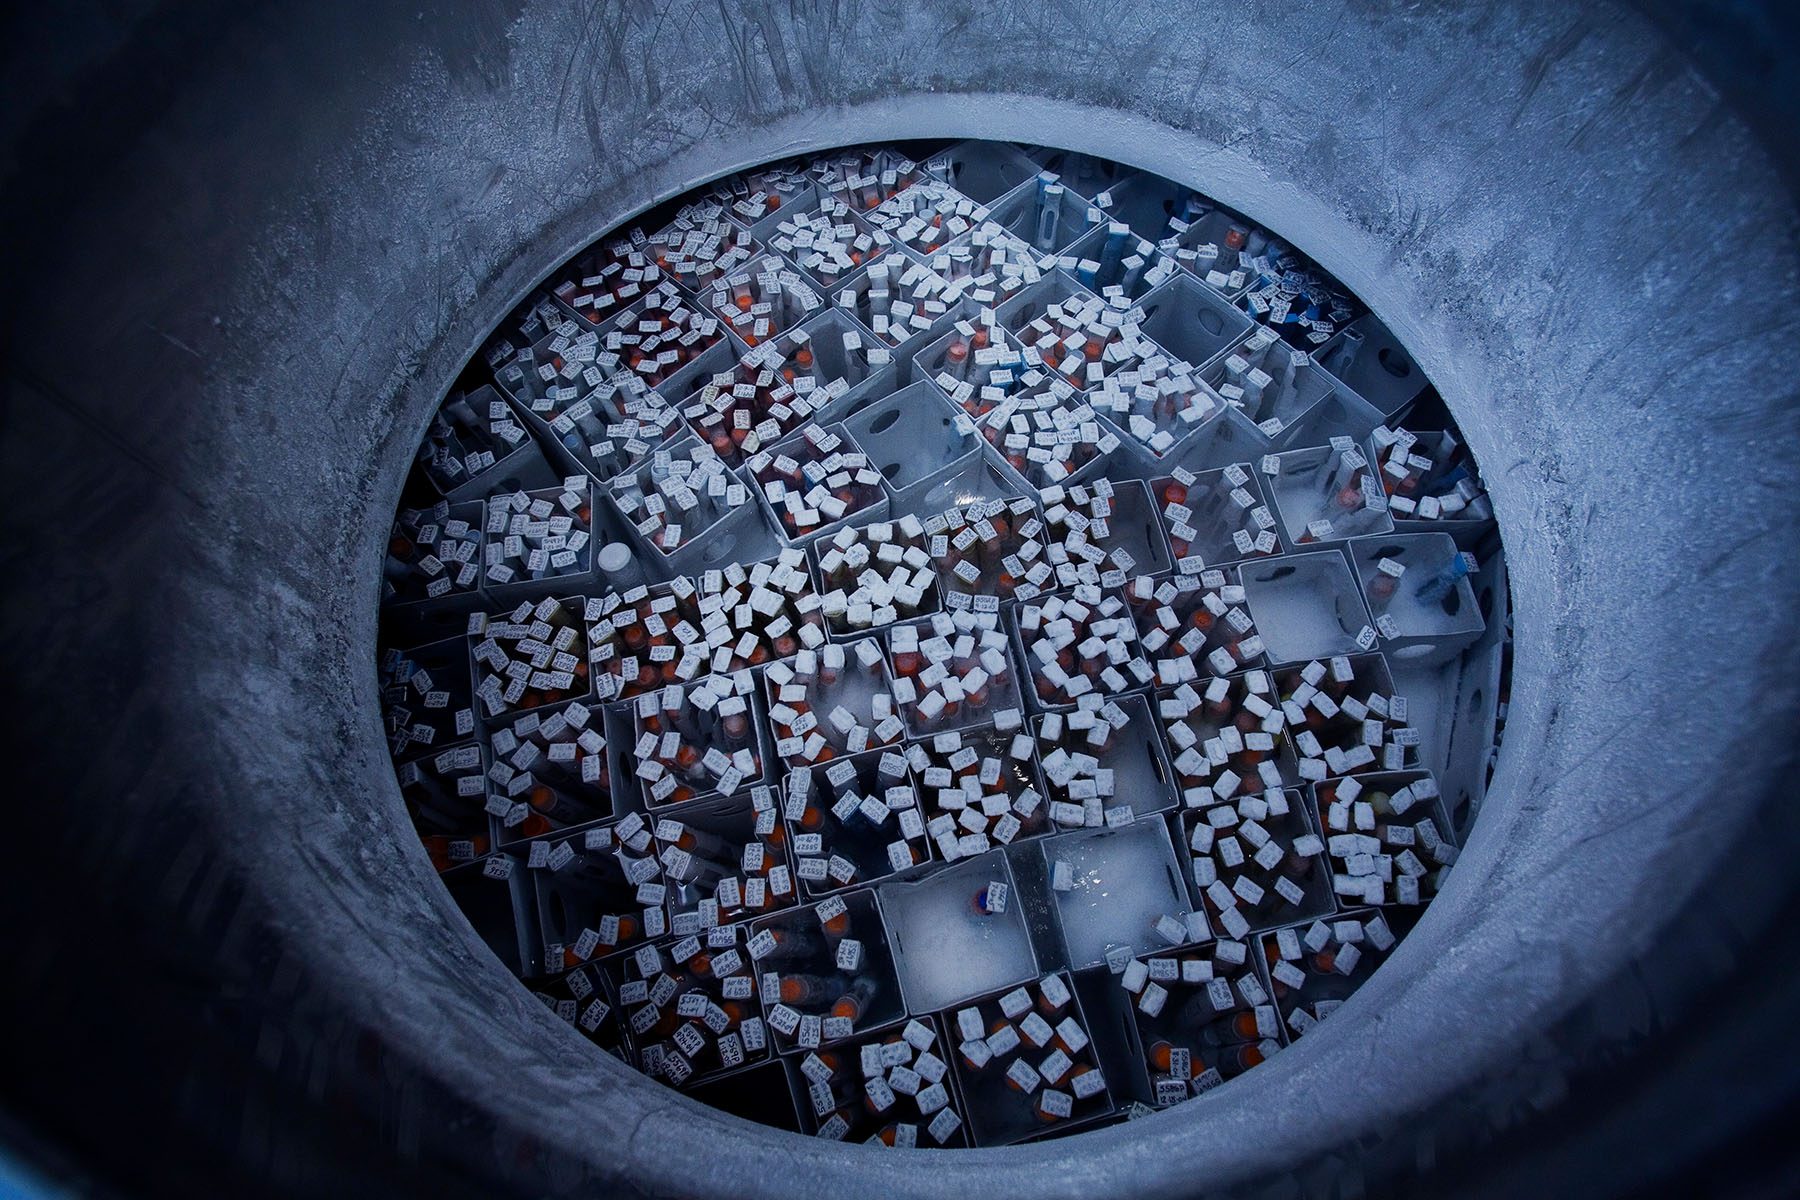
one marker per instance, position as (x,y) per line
(244,306)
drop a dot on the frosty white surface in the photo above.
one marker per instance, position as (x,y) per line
(1307,606)
(949,950)
(1124,880)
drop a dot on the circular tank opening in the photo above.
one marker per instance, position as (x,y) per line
(944,645)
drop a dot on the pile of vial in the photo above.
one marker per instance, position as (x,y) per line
(939,645)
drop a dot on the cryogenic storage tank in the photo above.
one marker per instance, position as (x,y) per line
(254,253)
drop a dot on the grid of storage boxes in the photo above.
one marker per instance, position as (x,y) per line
(942,647)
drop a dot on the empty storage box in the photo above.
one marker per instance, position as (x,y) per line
(958,933)
(1417,587)
(919,442)
(1119,892)
(1308,606)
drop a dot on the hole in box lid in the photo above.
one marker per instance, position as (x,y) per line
(1156,767)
